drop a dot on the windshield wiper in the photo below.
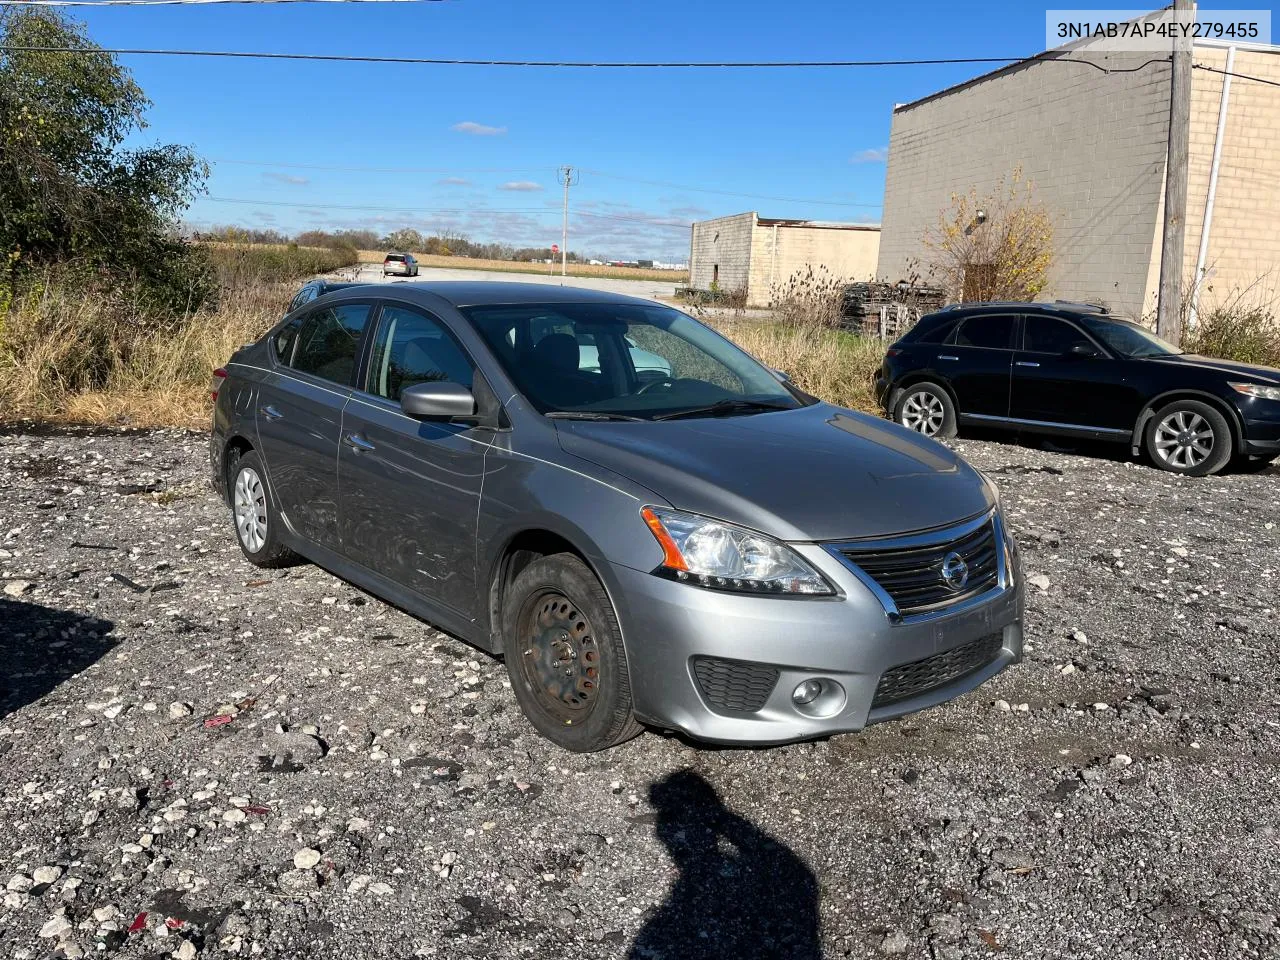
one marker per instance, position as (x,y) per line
(723,408)
(588,415)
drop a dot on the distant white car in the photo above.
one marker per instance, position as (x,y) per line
(399,265)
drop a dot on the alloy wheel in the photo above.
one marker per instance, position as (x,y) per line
(1184,439)
(251,510)
(923,412)
(560,658)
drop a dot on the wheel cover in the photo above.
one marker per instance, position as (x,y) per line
(1184,439)
(559,656)
(250,510)
(923,412)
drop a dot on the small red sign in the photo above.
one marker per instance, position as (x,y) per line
(555,248)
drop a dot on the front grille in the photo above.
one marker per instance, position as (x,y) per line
(735,685)
(921,676)
(912,576)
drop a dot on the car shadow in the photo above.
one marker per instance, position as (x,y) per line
(40,647)
(740,893)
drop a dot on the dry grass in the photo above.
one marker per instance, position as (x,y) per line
(838,367)
(512,266)
(66,358)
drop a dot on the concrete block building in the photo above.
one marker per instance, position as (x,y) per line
(1093,141)
(753,254)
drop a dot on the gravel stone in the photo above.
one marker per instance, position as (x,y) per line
(1023,833)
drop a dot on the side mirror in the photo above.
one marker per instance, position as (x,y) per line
(438,400)
(1082,350)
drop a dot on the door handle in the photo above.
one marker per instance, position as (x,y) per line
(358,443)
(947,356)
(1025,363)
(271,413)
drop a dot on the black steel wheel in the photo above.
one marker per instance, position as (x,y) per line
(564,655)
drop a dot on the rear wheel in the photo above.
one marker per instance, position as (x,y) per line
(1189,437)
(256,518)
(926,408)
(564,655)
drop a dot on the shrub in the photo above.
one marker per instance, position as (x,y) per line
(809,298)
(1248,334)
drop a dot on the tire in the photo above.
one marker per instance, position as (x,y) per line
(1189,437)
(258,533)
(926,408)
(556,617)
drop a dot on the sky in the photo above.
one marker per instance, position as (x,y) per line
(472,149)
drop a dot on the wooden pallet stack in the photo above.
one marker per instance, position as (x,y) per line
(887,310)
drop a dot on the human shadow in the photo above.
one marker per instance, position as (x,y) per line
(740,894)
(40,647)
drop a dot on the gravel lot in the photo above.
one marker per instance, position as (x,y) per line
(198,758)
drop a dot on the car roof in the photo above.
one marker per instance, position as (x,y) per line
(1031,308)
(474,293)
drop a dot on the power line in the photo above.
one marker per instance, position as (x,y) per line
(444,211)
(358,169)
(456,62)
(725,193)
(177,3)
(1240,76)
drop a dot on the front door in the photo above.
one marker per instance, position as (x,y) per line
(976,361)
(1054,384)
(410,489)
(299,416)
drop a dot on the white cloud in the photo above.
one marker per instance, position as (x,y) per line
(521,186)
(478,129)
(287,178)
(871,155)
(454,182)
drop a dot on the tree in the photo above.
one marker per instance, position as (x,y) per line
(406,239)
(993,247)
(69,189)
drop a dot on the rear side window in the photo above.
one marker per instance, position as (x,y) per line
(932,330)
(1047,335)
(994,331)
(411,348)
(305,295)
(329,341)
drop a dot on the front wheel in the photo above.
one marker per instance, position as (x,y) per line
(563,650)
(1189,437)
(926,408)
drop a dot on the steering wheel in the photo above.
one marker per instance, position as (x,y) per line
(653,385)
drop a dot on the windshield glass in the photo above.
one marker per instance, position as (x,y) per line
(623,359)
(1130,339)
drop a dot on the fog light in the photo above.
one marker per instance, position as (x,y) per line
(806,692)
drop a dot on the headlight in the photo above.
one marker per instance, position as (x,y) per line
(722,556)
(1256,390)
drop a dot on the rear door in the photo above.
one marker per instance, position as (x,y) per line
(299,415)
(976,360)
(1051,384)
(410,489)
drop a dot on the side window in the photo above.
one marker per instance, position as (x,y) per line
(329,341)
(305,295)
(994,331)
(1047,335)
(283,342)
(935,332)
(410,348)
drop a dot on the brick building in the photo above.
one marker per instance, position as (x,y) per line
(1094,143)
(753,254)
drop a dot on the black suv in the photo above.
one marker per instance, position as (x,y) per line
(1073,370)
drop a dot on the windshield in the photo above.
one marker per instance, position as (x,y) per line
(628,360)
(1130,339)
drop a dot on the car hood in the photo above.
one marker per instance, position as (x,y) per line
(1230,367)
(817,473)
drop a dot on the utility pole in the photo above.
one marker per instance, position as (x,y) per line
(1169,308)
(568,176)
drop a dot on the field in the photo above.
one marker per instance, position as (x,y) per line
(510,266)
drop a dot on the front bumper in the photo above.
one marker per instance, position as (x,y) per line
(671,628)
